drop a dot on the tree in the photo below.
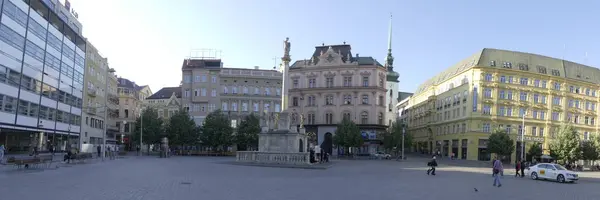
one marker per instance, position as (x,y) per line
(590,149)
(566,146)
(181,130)
(500,143)
(393,137)
(247,133)
(153,129)
(347,135)
(535,151)
(217,132)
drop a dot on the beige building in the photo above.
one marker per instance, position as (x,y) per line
(166,101)
(332,85)
(131,102)
(206,87)
(95,98)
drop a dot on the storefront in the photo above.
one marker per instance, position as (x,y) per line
(483,154)
(23,142)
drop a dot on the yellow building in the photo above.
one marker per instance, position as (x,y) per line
(456,111)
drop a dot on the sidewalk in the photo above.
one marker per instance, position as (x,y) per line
(57,162)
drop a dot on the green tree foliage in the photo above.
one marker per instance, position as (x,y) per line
(566,146)
(500,143)
(217,131)
(247,133)
(535,151)
(182,130)
(153,129)
(590,149)
(393,138)
(347,135)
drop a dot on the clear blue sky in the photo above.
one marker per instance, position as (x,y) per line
(147,40)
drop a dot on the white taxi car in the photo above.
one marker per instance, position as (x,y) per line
(550,171)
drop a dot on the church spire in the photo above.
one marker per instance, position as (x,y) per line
(389,60)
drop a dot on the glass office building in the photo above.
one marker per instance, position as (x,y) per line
(41,76)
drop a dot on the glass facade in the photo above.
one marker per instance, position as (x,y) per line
(41,77)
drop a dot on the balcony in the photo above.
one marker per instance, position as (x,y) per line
(92,111)
(112,128)
(92,92)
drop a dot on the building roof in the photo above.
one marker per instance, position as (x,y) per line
(534,64)
(403,95)
(126,83)
(343,49)
(166,92)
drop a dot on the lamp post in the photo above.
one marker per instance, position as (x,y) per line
(403,132)
(523,136)
(109,70)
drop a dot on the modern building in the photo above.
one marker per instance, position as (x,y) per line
(403,107)
(42,55)
(99,97)
(455,111)
(332,85)
(131,102)
(239,92)
(167,101)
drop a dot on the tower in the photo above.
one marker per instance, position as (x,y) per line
(391,81)
(286,79)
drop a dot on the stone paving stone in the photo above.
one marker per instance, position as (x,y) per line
(175,178)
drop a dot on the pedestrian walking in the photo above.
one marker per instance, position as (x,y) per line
(517,168)
(498,170)
(523,164)
(2,149)
(432,164)
(99,149)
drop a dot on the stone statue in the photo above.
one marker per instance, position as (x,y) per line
(294,118)
(301,120)
(286,47)
(276,120)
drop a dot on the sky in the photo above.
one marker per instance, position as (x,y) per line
(146,41)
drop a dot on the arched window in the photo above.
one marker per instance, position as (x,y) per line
(380,118)
(347,115)
(364,118)
(328,118)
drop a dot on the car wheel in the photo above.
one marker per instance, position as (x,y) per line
(534,176)
(560,178)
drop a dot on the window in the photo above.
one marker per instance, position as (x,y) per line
(255,107)
(278,92)
(329,100)
(586,135)
(509,95)
(312,101)
(488,77)
(523,67)
(328,118)
(295,101)
(34,51)
(365,81)
(295,83)
(186,93)
(329,82)
(234,106)
(536,98)
(347,99)
(556,100)
(11,37)
(203,78)
(541,69)
(245,90)
(381,101)
(524,81)
(493,63)
(544,83)
(234,90)
(507,65)
(225,107)
(214,79)
(311,118)
(365,99)
(508,128)
(555,72)
(522,112)
(267,91)
(347,81)
(523,96)
(346,115)
(486,127)
(536,83)
(381,82)
(509,111)
(23,107)
(187,78)
(533,131)
(213,92)
(503,79)
(197,78)
(312,83)
(277,107)
(364,118)
(542,115)
(15,13)
(501,111)
(487,109)
(196,92)
(380,118)
(203,92)
(267,107)
(256,91)
(487,93)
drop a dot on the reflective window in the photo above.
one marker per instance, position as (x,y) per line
(54,42)
(34,51)
(11,37)
(68,53)
(12,11)
(37,30)
(52,62)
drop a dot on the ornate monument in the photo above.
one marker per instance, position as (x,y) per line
(280,141)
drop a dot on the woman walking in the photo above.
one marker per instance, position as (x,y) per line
(498,169)
(517,168)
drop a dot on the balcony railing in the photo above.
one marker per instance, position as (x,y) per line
(353,87)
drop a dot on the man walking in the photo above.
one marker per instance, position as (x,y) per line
(2,153)
(99,149)
(432,164)
(498,169)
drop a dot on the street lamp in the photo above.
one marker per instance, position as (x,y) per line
(109,70)
(523,129)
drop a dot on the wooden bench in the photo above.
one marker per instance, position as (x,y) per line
(26,162)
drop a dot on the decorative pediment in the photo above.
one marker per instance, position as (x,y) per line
(347,73)
(365,73)
(311,75)
(330,58)
(329,74)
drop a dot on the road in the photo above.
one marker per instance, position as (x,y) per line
(208,178)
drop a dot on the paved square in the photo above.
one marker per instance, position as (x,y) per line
(206,178)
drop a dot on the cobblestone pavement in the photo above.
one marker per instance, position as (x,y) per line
(206,178)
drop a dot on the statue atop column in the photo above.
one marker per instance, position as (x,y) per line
(302,120)
(286,49)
